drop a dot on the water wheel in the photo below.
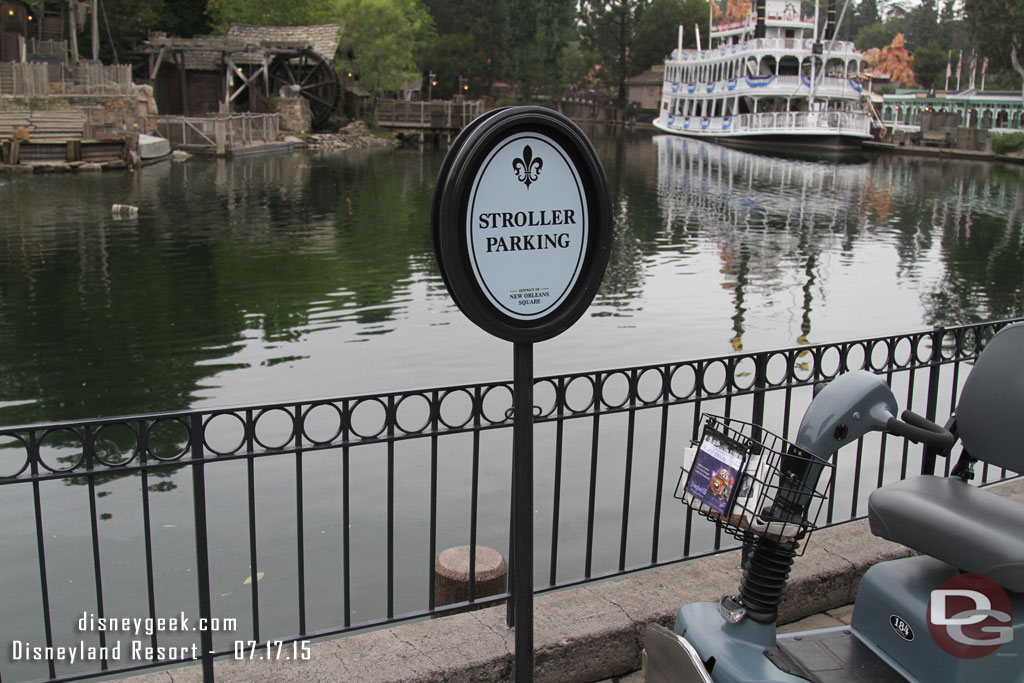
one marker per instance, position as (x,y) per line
(312,76)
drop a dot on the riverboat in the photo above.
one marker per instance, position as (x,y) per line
(770,82)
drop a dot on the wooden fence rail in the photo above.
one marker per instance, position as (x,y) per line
(26,79)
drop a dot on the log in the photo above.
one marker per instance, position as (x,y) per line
(451,574)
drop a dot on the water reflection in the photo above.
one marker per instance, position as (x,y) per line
(300,275)
(781,224)
(105,316)
(770,218)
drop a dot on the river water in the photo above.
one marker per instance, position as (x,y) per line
(304,275)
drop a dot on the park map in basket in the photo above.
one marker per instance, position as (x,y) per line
(716,472)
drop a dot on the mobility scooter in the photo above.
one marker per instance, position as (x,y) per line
(952,614)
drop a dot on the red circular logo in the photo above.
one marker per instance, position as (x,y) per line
(970,616)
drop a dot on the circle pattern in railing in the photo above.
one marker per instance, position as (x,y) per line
(413,413)
(61,450)
(224,433)
(274,428)
(14,457)
(67,449)
(456,408)
(322,423)
(116,445)
(369,418)
(167,439)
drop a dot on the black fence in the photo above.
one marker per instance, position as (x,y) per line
(333,510)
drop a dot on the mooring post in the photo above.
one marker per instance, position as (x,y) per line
(522,508)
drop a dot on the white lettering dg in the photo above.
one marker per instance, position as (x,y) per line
(983,610)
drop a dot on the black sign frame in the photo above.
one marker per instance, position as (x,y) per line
(451,203)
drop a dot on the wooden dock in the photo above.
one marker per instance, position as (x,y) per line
(427,117)
(54,138)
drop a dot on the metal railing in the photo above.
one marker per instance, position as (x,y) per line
(344,503)
(831,122)
(792,86)
(432,114)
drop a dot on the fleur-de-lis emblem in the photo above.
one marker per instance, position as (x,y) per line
(528,168)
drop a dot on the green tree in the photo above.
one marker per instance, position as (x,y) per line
(539,32)
(554,31)
(922,25)
(878,35)
(124,23)
(930,65)
(866,14)
(269,13)
(608,29)
(657,30)
(470,45)
(384,42)
(998,29)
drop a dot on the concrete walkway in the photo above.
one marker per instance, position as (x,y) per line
(582,635)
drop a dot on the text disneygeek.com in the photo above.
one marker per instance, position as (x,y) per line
(139,646)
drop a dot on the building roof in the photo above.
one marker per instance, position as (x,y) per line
(246,44)
(323,38)
(653,76)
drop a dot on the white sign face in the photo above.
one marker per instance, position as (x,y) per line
(527,225)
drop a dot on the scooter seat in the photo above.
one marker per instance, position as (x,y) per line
(962,525)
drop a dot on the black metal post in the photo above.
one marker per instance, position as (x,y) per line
(928,461)
(522,508)
(202,543)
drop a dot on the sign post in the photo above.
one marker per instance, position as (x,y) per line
(521,222)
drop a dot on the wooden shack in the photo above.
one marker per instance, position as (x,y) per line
(14,27)
(239,72)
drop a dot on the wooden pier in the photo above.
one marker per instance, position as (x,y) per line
(426,117)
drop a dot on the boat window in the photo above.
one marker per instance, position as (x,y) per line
(789,66)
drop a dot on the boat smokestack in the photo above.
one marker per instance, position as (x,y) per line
(830,21)
(759,31)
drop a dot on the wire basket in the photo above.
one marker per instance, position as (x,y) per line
(751,482)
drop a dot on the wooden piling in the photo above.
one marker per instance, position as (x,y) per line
(451,574)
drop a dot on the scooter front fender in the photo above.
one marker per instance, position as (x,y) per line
(669,658)
(703,640)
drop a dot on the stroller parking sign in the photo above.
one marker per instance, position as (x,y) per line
(527,214)
(521,223)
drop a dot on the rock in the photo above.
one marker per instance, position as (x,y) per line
(356,135)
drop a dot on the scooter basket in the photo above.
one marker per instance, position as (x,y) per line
(752,482)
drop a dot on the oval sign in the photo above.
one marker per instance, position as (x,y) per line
(527,215)
(902,628)
(521,223)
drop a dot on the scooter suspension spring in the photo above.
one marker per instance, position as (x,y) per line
(764,578)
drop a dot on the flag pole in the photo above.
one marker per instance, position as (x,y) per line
(711,19)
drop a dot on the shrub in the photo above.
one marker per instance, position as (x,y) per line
(1008,142)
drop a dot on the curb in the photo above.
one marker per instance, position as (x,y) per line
(582,634)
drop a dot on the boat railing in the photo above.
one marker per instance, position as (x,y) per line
(839,49)
(833,122)
(827,86)
(801,120)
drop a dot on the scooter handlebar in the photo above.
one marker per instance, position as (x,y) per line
(921,430)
